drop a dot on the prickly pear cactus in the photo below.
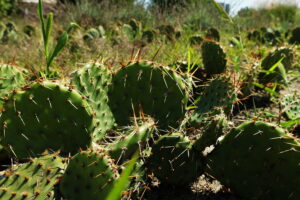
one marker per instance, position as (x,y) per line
(257,161)
(285,65)
(11,77)
(148,35)
(295,36)
(89,175)
(219,93)
(92,81)
(209,131)
(173,161)
(44,116)
(275,56)
(168,31)
(29,30)
(291,106)
(126,145)
(214,34)
(214,58)
(33,180)
(196,40)
(151,89)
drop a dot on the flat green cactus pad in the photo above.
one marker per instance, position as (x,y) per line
(150,89)
(258,161)
(33,180)
(45,116)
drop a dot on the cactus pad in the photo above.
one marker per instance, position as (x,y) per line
(45,116)
(219,93)
(89,175)
(154,90)
(33,180)
(173,161)
(126,145)
(214,58)
(92,81)
(257,161)
(11,78)
(291,106)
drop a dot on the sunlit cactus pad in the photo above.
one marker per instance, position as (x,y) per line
(89,175)
(45,116)
(151,89)
(33,180)
(291,106)
(11,78)
(92,81)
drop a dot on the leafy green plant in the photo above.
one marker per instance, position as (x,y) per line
(46,26)
(7,6)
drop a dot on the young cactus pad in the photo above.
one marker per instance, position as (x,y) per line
(45,116)
(126,145)
(214,58)
(258,161)
(150,89)
(219,93)
(10,78)
(89,175)
(92,81)
(33,180)
(291,106)
(173,161)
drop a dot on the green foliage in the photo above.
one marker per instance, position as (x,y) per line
(275,66)
(46,27)
(7,7)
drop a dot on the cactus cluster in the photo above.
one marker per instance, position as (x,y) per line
(73,138)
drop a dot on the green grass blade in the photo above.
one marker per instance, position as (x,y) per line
(62,41)
(290,124)
(48,31)
(275,65)
(223,13)
(41,17)
(270,91)
(122,183)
